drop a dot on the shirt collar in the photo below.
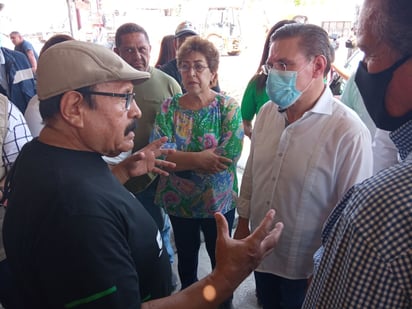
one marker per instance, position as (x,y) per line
(401,137)
(323,105)
(2,60)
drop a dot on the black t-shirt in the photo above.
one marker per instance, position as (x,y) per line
(75,236)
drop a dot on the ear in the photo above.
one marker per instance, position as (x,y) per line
(72,108)
(116,50)
(319,66)
(213,80)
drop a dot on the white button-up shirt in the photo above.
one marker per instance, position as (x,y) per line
(302,170)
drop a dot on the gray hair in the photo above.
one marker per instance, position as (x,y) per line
(313,41)
(389,21)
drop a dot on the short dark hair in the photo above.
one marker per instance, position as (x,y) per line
(50,107)
(313,41)
(126,29)
(55,39)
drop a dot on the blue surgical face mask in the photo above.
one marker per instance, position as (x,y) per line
(281,88)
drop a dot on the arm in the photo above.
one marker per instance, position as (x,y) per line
(356,158)
(243,202)
(32,60)
(231,138)
(235,260)
(385,153)
(341,71)
(206,160)
(248,107)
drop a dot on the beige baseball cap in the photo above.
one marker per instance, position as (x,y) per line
(72,65)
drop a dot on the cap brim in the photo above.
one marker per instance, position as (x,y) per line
(185,32)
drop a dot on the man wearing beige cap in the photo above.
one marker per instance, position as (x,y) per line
(74,236)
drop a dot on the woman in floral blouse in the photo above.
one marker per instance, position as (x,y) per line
(207,129)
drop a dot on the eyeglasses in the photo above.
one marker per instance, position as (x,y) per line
(184,67)
(280,66)
(128,97)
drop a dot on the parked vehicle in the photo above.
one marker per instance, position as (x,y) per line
(222,28)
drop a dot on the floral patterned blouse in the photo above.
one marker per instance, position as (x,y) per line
(192,194)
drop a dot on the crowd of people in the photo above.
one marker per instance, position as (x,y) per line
(104,155)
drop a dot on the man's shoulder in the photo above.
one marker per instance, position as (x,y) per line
(163,79)
(13,55)
(170,68)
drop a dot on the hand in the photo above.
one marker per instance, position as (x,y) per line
(242,229)
(211,163)
(236,259)
(145,161)
(247,127)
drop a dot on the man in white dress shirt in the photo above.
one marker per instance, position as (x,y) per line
(307,150)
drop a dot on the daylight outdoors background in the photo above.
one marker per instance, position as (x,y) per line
(97,21)
(247,20)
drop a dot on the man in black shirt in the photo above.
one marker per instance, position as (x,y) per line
(74,236)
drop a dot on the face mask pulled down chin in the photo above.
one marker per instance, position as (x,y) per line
(281,88)
(373,87)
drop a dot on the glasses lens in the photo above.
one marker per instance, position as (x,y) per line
(129,99)
(199,68)
(280,66)
(265,69)
(184,68)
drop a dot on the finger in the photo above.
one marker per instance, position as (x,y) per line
(166,152)
(221,225)
(225,160)
(164,163)
(160,171)
(265,226)
(272,239)
(156,144)
(137,156)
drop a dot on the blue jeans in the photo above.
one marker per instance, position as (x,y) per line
(158,214)
(275,292)
(187,240)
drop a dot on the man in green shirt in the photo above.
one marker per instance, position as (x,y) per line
(133,45)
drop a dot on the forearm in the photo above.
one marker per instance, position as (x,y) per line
(185,160)
(206,293)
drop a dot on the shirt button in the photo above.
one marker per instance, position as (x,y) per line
(273,178)
(280,154)
(267,202)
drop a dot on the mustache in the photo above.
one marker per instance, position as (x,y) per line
(131,127)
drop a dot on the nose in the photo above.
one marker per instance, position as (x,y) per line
(192,71)
(134,111)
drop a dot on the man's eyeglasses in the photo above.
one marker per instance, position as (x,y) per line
(128,97)
(184,67)
(280,66)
